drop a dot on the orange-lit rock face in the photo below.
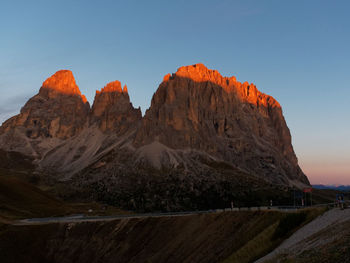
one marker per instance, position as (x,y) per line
(245,91)
(61,83)
(197,108)
(194,93)
(59,110)
(112,110)
(114,86)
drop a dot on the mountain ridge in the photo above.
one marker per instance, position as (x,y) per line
(200,126)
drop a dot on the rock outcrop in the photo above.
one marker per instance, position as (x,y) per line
(112,110)
(205,140)
(111,121)
(57,111)
(197,108)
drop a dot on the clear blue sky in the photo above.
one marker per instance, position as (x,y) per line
(296,51)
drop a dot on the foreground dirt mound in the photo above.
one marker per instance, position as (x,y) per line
(196,238)
(326,239)
(230,237)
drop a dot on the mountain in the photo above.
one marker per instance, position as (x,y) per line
(199,109)
(205,140)
(112,110)
(56,113)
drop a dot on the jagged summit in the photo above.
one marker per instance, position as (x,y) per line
(198,72)
(61,83)
(125,89)
(198,108)
(196,116)
(112,109)
(114,86)
(245,91)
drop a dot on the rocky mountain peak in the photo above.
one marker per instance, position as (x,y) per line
(112,109)
(125,89)
(61,83)
(198,108)
(114,86)
(59,111)
(195,113)
(199,73)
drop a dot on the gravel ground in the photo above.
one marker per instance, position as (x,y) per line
(331,217)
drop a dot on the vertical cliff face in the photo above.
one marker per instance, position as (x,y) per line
(112,110)
(198,108)
(195,113)
(59,110)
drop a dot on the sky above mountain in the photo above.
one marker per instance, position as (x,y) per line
(296,51)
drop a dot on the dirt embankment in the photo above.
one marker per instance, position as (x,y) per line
(194,238)
(325,239)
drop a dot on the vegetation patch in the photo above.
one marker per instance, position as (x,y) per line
(277,230)
(288,223)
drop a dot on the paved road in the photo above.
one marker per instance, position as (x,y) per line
(84,218)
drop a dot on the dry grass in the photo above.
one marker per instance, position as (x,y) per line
(255,247)
(331,245)
(19,199)
(269,238)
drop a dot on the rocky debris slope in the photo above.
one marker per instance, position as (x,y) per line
(207,134)
(204,183)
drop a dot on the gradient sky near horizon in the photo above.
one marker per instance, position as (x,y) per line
(296,51)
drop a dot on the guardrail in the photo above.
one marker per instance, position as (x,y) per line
(82,217)
(283,207)
(334,204)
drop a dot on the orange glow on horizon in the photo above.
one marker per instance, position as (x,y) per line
(327,172)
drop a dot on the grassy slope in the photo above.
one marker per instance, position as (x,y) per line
(335,250)
(195,238)
(273,235)
(322,196)
(22,195)
(19,199)
(228,237)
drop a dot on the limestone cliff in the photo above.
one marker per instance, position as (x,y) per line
(201,126)
(197,108)
(112,110)
(58,110)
